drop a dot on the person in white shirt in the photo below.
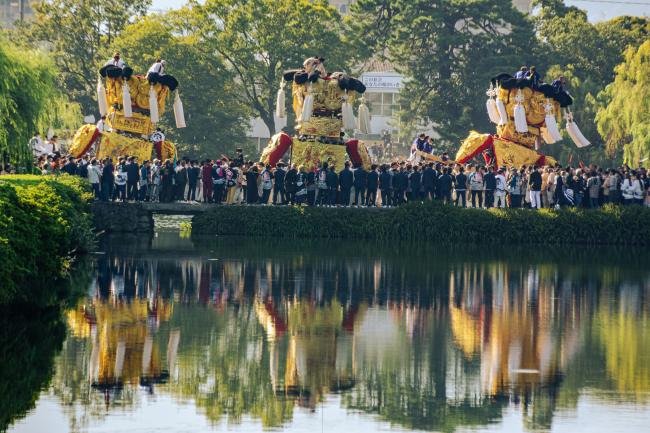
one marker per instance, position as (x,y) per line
(94,176)
(37,145)
(116,61)
(102,126)
(157,68)
(50,144)
(500,193)
(632,190)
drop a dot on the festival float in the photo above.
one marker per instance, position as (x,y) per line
(133,105)
(323,105)
(526,115)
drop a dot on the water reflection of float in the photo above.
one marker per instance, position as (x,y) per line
(124,347)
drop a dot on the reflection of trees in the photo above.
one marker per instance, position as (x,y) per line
(433,347)
(28,344)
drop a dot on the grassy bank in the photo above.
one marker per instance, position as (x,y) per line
(433,222)
(43,223)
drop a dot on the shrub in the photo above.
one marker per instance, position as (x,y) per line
(43,223)
(434,222)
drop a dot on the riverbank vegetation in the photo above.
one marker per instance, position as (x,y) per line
(434,223)
(44,222)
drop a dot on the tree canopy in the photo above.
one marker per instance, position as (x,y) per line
(31,102)
(448,50)
(216,118)
(257,39)
(78,35)
(624,119)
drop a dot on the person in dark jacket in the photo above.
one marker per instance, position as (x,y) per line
(278,184)
(460,184)
(360,179)
(252,195)
(311,187)
(132,177)
(290,180)
(372,184)
(490,182)
(332,181)
(415,182)
(428,182)
(444,185)
(400,185)
(70,167)
(386,186)
(535,186)
(346,181)
(193,173)
(108,179)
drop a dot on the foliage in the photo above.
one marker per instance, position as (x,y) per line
(435,222)
(30,101)
(624,120)
(586,54)
(448,50)
(42,223)
(29,343)
(79,35)
(216,119)
(257,39)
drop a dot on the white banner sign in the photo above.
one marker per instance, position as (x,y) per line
(373,81)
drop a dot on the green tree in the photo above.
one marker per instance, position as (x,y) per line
(216,118)
(586,54)
(257,39)
(30,102)
(624,119)
(449,50)
(78,34)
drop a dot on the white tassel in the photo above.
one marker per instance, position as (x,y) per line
(307,106)
(364,118)
(347,113)
(493,111)
(153,106)
(491,104)
(280,102)
(126,100)
(552,128)
(576,134)
(503,113)
(550,123)
(548,138)
(179,114)
(101,97)
(521,125)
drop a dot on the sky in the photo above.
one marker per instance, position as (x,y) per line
(598,10)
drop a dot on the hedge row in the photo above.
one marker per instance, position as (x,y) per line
(43,223)
(434,222)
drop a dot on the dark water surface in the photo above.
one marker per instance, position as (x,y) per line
(222,334)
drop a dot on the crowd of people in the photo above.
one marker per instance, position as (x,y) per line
(236,181)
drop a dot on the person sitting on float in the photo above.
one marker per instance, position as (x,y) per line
(116,61)
(116,68)
(156,70)
(521,73)
(534,77)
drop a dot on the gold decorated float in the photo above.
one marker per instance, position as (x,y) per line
(131,106)
(323,105)
(526,114)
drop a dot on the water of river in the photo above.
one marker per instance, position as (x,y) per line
(175,335)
